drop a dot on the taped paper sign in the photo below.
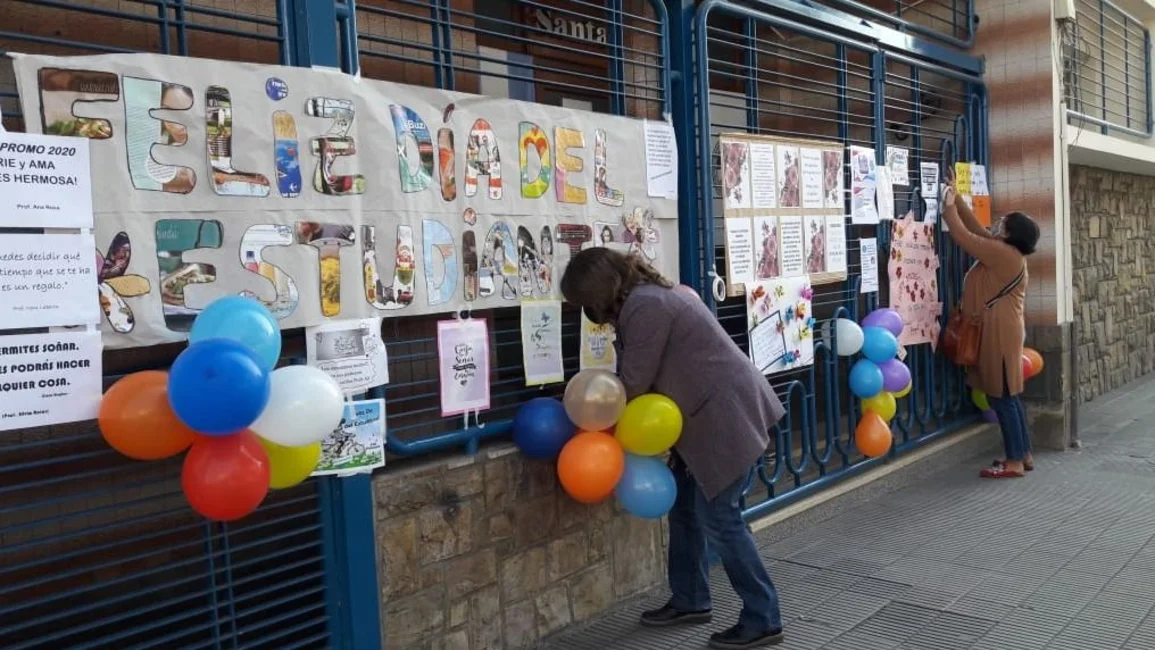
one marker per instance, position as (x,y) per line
(330,197)
(541,342)
(351,352)
(913,275)
(597,346)
(49,379)
(47,280)
(357,445)
(463,359)
(45,181)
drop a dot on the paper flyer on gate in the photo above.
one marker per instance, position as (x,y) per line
(330,197)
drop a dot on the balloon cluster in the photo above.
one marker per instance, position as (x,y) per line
(879,379)
(592,463)
(1032,367)
(247,427)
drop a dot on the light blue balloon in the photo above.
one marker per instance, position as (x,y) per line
(878,344)
(647,488)
(244,320)
(866,379)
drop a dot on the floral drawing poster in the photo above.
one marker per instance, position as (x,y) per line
(780,324)
(463,358)
(913,270)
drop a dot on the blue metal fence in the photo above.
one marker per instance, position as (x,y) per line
(774,72)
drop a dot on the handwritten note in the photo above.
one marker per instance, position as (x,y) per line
(47,280)
(962,177)
(739,250)
(767,342)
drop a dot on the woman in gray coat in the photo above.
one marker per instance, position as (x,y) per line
(668,342)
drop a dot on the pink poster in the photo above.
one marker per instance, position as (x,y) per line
(463,357)
(913,270)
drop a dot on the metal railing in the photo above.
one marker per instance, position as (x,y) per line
(949,21)
(1107,69)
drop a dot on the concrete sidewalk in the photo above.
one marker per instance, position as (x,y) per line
(1063,559)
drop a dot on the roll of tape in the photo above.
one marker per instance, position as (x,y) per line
(718,287)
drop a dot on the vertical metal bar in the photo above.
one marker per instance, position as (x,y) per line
(751,33)
(447,59)
(705,222)
(916,140)
(350,50)
(210,553)
(682,88)
(1127,72)
(1103,63)
(283,32)
(435,37)
(347,530)
(227,554)
(314,33)
(1147,77)
(617,58)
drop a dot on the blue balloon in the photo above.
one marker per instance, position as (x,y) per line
(866,379)
(647,488)
(541,428)
(878,344)
(244,320)
(218,387)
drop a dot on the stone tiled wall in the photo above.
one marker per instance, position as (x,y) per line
(1112,218)
(487,553)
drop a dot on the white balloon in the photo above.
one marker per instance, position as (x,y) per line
(849,337)
(305,405)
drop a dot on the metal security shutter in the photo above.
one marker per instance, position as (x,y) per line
(608,57)
(100,552)
(796,77)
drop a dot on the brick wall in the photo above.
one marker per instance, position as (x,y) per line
(1112,219)
(487,553)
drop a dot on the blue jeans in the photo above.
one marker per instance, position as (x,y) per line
(693,520)
(1013,423)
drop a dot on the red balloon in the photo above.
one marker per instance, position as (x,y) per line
(226,477)
(1028,367)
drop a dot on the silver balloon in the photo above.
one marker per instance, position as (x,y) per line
(594,399)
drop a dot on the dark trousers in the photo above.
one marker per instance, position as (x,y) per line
(1013,422)
(695,519)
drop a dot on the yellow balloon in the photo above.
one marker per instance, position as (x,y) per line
(289,466)
(905,391)
(883,404)
(649,425)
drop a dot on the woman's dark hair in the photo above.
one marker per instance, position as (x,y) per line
(599,280)
(1021,231)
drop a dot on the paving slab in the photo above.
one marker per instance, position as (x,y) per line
(1063,559)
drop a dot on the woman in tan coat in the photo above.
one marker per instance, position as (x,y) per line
(993,291)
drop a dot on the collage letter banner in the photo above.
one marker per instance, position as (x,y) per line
(331,197)
(463,357)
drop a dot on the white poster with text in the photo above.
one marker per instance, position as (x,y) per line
(49,379)
(45,181)
(47,280)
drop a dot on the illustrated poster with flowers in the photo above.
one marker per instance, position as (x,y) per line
(913,270)
(780,324)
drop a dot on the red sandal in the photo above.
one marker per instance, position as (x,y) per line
(1000,471)
(1030,467)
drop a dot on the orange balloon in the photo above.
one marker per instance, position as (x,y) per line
(872,436)
(1036,361)
(135,418)
(590,465)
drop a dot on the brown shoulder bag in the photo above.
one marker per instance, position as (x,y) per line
(963,336)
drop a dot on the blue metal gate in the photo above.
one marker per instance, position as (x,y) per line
(780,68)
(101,552)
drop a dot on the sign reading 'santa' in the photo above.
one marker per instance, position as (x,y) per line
(327,196)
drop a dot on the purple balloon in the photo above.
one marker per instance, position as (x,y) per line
(887,319)
(895,375)
(990,416)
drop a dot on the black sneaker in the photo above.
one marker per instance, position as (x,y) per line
(737,638)
(667,616)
